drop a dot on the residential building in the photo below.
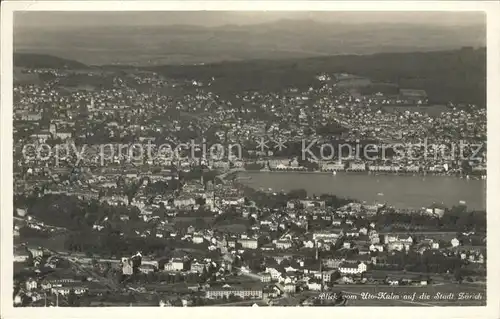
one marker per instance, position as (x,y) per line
(36,252)
(31,284)
(275,274)
(395,245)
(20,255)
(455,242)
(290,288)
(198,239)
(283,244)
(313,203)
(332,262)
(197,267)
(265,277)
(314,286)
(78,289)
(176,264)
(146,268)
(127,266)
(327,275)
(377,247)
(336,222)
(327,236)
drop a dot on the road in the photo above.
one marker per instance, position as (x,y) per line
(106,281)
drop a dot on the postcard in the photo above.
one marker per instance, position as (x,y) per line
(206,156)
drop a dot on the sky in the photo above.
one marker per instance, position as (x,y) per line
(213,18)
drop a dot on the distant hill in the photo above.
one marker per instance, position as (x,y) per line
(458,75)
(455,75)
(33,60)
(282,39)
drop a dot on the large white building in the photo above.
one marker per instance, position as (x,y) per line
(198,239)
(227,291)
(455,242)
(357,166)
(249,243)
(327,236)
(175,265)
(353,269)
(333,166)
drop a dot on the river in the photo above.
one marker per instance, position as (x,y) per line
(402,191)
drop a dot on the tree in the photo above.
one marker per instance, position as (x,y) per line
(200,201)
(465,166)
(200,302)
(177,277)
(72,298)
(458,275)
(297,194)
(236,262)
(204,275)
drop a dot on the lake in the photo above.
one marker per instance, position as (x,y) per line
(402,191)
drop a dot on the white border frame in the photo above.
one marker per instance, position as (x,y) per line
(491,8)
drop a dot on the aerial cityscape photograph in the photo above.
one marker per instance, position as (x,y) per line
(258,159)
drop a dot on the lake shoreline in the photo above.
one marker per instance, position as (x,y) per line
(398,190)
(367,173)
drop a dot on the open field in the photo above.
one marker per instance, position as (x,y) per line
(177,288)
(25,78)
